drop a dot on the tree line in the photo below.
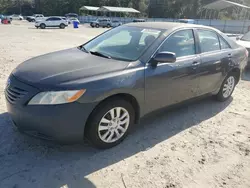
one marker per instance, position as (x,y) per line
(148,8)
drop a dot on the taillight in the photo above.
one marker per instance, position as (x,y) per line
(247,53)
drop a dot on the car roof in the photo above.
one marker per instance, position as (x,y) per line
(166,25)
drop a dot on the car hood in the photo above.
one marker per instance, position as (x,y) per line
(56,68)
(245,44)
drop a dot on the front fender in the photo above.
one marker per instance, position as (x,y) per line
(98,88)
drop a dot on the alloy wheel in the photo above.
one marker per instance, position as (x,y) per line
(113,125)
(228,87)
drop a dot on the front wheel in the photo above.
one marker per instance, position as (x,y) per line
(110,123)
(227,88)
(62,26)
(97,25)
(42,26)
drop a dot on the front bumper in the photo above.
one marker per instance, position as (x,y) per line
(63,123)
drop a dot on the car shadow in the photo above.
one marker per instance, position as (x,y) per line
(246,75)
(51,165)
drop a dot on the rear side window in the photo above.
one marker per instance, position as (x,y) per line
(208,41)
(223,43)
(181,43)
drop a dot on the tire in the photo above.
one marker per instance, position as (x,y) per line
(62,26)
(97,136)
(42,26)
(97,25)
(108,25)
(231,81)
(32,20)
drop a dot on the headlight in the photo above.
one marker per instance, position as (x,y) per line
(56,97)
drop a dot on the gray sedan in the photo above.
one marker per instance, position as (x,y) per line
(100,89)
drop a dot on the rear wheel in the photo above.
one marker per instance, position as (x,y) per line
(62,26)
(108,25)
(42,26)
(227,88)
(110,123)
(97,25)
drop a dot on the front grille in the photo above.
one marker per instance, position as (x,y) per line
(13,94)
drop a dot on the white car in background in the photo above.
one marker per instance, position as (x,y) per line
(16,17)
(34,17)
(244,40)
(115,23)
(71,20)
(53,21)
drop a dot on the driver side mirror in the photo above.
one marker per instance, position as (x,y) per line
(164,57)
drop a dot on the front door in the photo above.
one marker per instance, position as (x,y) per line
(171,83)
(49,22)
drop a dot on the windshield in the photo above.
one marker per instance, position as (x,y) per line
(246,37)
(123,43)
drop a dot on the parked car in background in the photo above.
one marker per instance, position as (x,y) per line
(16,17)
(190,21)
(72,19)
(104,22)
(34,17)
(245,42)
(3,17)
(100,89)
(115,23)
(71,15)
(54,21)
(139,20)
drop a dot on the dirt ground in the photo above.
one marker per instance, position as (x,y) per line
(203,144)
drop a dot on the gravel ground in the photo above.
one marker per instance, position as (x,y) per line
(202,144)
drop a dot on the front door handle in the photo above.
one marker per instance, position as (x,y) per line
(195,63)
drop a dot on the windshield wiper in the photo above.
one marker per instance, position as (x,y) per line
(100,54)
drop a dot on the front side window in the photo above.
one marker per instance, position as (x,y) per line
(208,41)
(123,43)
(181,43)
(51,19)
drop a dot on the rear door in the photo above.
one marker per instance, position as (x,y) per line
(102,22)
(56,22)
(215,57)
